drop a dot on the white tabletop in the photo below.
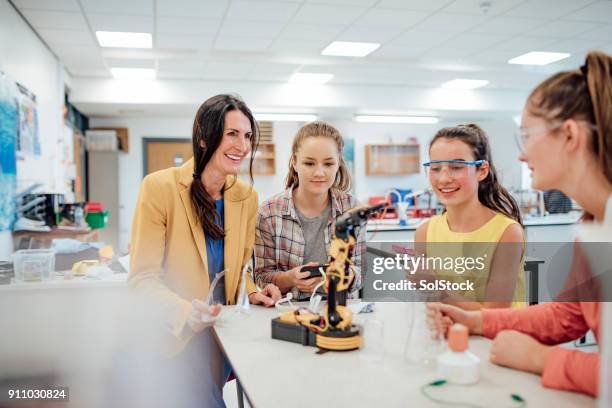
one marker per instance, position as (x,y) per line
(118,280)
(279,373)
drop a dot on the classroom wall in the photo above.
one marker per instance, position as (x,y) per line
(130,164)
(27,60)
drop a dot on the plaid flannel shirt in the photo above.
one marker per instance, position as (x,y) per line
(279,238)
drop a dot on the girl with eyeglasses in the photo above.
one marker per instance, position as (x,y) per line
(567,120)
(481,221)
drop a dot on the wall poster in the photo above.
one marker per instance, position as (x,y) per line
(8,145)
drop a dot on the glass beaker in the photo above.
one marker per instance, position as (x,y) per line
(422,344)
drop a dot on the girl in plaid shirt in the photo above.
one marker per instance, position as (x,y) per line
(294,227)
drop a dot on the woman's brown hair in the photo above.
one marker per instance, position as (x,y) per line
(581,94)
(491,193)
(208,128)
(343,181)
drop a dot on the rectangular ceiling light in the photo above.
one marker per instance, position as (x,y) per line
(124,40)
(349,49)
(538,58)
(461,83)
(396,119)
(310,79)
(133,73)
(285,117)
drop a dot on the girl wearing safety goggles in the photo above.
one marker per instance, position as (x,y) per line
(478,211)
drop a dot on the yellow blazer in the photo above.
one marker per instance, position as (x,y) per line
(168,252)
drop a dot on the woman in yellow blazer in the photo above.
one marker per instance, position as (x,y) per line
(192,222)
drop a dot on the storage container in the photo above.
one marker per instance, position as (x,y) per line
(33,264)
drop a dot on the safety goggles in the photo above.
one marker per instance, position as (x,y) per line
(453,167)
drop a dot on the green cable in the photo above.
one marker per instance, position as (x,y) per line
(438,383)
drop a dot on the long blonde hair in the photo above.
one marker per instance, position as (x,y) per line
(343,181)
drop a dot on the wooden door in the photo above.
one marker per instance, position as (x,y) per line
(159,154)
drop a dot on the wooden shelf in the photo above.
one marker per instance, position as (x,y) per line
(264,162)
(392,159)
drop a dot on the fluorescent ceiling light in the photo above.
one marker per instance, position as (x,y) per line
(349,49)
(310,79)
(461,83)
(285,117)
(133,73)
(124,40)
(396,119)
(538,58)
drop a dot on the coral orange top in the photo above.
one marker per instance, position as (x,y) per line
(555,323)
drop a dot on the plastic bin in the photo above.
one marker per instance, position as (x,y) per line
(97,219)
(33,264)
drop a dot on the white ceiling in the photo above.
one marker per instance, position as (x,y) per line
(424,43)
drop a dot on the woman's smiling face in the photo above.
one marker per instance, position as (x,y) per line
(235,144)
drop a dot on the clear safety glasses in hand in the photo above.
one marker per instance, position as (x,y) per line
(210,299)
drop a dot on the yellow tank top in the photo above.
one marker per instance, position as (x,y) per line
(488,235)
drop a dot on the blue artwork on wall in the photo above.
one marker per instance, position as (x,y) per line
(8,145)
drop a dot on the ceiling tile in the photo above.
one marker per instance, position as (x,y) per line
(495,8)
(446,54)
(57,5)
(261,10)
(256,29)
(378,17)
(192,8)
(398,51)
(135,7)
(369,34)
(326,32)
(271,72)
(576,45)
(118,22)
(129,63)
(360,3)
(599,11)
(430,5)
(508,26)
(547,10)
(87,72)
(189,42)
(70,37)
(493,57)
(523,44)
(187,26)
(597,33)
(245,44)
(469,41)
(76,52)
(226,70)
(298,47)
(563,29)
(324,14)
(180,69)
(419,38)
(450,22)
(55,19)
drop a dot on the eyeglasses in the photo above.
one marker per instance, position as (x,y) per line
(523,134)
(453,167)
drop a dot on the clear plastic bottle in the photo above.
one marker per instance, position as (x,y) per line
(422,345)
